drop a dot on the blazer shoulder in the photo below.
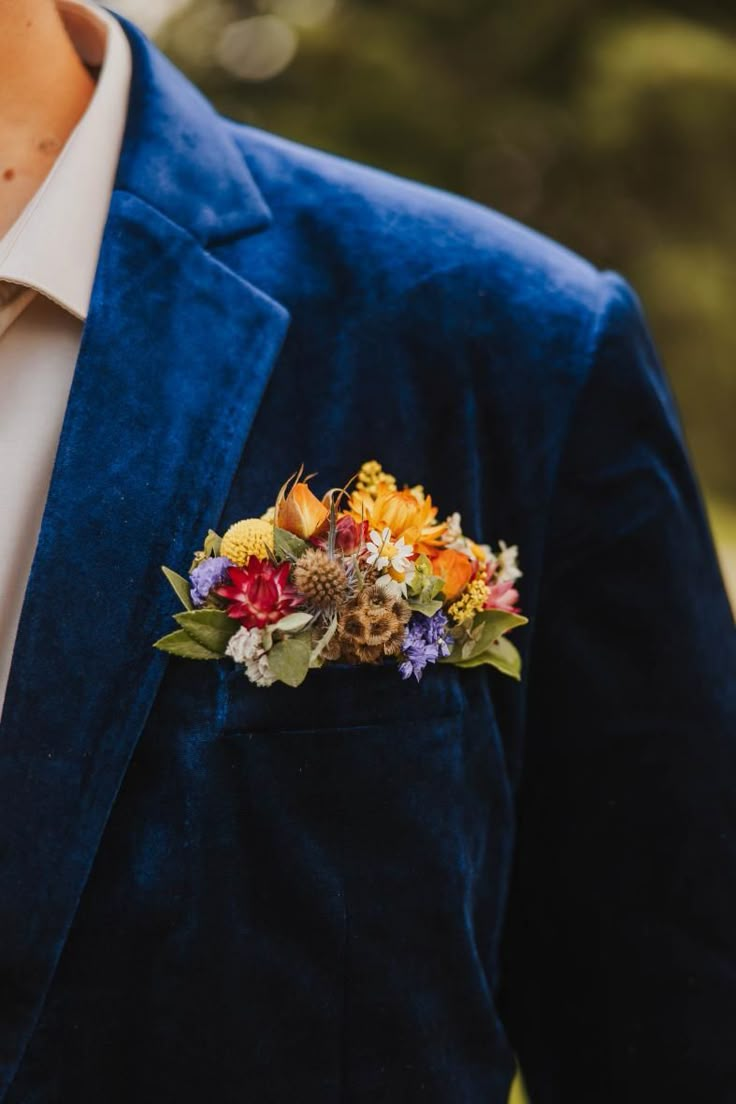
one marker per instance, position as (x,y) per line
(411,233)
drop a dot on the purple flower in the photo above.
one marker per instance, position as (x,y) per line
(209,573)
(426,640)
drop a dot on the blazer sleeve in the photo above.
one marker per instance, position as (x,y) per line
(620,948)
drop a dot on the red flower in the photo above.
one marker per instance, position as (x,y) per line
(349,535)
(261,593)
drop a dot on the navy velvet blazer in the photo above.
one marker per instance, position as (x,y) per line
(364,890)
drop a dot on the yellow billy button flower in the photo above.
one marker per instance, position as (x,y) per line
(253,537)
(471,602)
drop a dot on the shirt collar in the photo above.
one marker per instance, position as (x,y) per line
(54,244)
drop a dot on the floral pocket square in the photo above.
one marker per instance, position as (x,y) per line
(360,576)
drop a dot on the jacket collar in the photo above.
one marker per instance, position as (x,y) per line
(178,154)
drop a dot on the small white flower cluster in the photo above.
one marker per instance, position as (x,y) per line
(454,539)
(246,647)
(505,563)
(454,530)
(507,558)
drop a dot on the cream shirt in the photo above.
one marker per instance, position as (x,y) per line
(48,260)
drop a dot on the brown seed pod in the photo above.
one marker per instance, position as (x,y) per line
(370,626)
(320,579)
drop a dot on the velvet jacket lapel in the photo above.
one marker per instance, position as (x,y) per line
(176,353)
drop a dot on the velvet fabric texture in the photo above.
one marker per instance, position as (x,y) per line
(364,890)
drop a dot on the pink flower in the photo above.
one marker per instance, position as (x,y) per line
(502,596)
(260,594)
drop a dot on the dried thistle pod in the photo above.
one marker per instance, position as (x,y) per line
(322,580)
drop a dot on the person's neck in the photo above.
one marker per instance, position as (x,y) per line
(44,91)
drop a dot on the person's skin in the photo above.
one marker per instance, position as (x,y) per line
(44,91)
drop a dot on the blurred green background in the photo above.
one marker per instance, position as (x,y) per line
(609,125)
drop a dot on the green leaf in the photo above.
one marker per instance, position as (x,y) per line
(322,643)
(289,659)
(181,644)
(425,585)
(181,587)
(212,543)
(500,654)
(293,622)
(422,571)
(437,585)
(428,608)
(487,626)
(430,591)
(210,628)
(286,545)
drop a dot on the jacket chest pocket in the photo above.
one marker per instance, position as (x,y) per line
(339,697)
(378,772)
(356,770)
(356,755)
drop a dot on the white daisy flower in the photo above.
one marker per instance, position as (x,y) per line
(384,552)
(391,557)
(391,586)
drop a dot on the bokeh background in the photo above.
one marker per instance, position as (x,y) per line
(608,124)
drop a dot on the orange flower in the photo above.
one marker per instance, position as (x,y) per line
(455,568)
(406,514)
(301,512)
